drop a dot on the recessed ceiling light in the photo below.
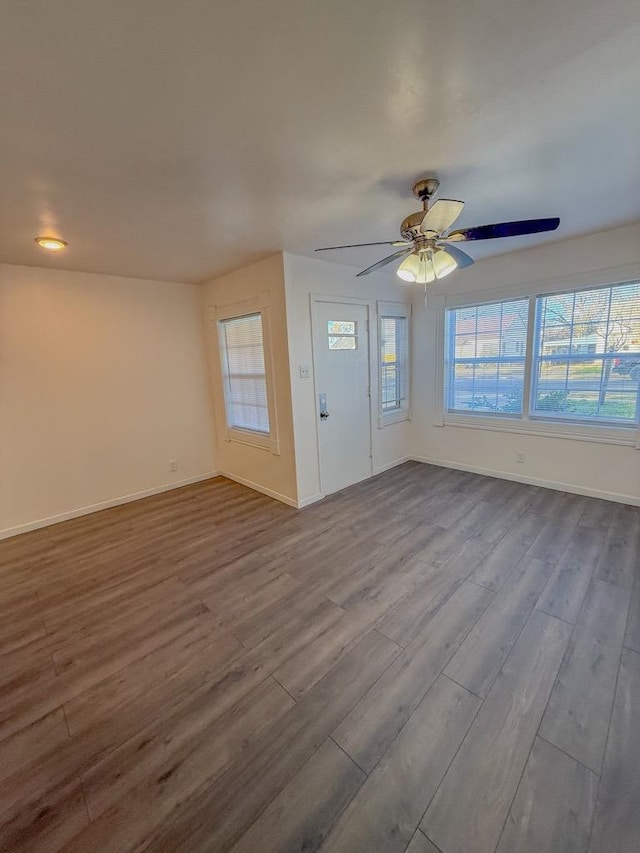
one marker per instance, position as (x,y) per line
(52,244)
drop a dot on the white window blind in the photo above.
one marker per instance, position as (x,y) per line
(244,373)
(586,360)
(394,363)
(485,349)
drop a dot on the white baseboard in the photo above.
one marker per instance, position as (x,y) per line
(87,510)
(319,496)
(262,489)
(574,489)
(394,464)
(312,500)
(633,500)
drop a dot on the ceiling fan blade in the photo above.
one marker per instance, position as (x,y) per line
(385,261)
(461,258)
(505,229)
(441,215)
(358,245)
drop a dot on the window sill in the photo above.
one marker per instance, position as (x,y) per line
(260,440)
(626,436)
(394,417)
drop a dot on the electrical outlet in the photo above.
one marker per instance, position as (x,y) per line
(521,456)
(305,371)
(173,465)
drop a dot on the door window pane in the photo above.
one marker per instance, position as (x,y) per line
(342,334)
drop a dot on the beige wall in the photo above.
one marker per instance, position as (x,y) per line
(103,381)
(255,466)
(304,277)
(585,466)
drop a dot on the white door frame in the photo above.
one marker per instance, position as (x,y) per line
(372,336)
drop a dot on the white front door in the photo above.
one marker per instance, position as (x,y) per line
(341,355)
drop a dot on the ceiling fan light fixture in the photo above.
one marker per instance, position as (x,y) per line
(443,263)
(428,245)
(426,272)
(409,268)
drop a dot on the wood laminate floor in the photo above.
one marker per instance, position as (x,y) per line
(428,661)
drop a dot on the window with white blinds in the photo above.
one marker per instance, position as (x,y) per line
(393,337)
(244,375)
(579,364)
(486,347)
(586,360)
(393,362)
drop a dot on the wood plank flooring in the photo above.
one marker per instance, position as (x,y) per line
(430,661)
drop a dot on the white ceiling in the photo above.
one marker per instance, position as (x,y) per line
(179,139)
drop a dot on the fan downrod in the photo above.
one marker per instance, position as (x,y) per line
(425,189)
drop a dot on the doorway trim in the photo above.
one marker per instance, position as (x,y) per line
(372,336)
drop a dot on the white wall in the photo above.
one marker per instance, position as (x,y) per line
(583,466)
(103,380)
(255,466)
(303,277)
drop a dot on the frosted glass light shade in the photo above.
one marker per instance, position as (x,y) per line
(443,263)
(408,269)
(426,273)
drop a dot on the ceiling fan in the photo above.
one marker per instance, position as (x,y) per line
(427,244)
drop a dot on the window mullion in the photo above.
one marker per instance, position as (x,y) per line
(530,359)
(605,350)
(567,372)
(450,362)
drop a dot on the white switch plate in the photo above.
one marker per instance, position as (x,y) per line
(305,371)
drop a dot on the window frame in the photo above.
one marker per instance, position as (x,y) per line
(450,359)
(535,414)
(241,435)
(528,424)
(402,311)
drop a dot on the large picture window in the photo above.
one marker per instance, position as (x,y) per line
(580,362)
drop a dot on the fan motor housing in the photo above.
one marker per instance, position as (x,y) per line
(410,228)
